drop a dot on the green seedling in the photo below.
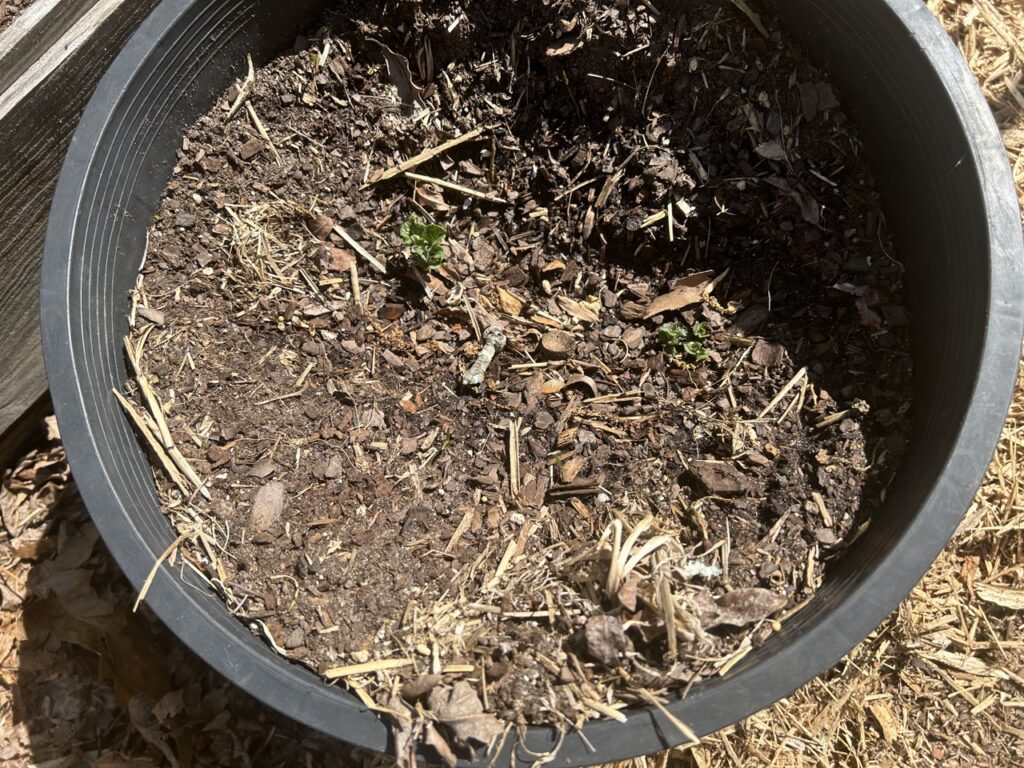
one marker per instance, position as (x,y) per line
(425,241)
(678,339)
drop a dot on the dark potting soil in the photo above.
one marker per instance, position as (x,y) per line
(10,10)
(703,395)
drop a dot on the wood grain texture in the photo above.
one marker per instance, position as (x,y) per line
(35,32)
(35,130)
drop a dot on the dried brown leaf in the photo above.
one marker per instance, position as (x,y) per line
(686,292)
(461,711)
(604,638)
(400,74)
(737,608)
(433,738)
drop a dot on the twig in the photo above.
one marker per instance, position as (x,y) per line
(357,294)
(154,443)
(370,259)
(513,456)
(263,132)
(422,157)
(369,666)
(243,89)
(783,392)
(682,727)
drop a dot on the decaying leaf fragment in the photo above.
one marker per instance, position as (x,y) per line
(605,639)
(738,608)
(460,710)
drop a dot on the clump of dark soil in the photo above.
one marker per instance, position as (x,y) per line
(701,397)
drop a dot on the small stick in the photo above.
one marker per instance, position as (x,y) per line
(278,398)
(494,342)
(456,187)
(783,392)
(182,463)
(243,89)
(682,727)
(369,666)
(370,259)
(357,294)
(263,132)
(513,457)
(422,157)
(302,378)
(603,709)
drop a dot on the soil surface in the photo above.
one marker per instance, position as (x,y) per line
(702,396)
(10,10)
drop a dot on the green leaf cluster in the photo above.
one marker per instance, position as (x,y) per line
(678,339)
(425,240)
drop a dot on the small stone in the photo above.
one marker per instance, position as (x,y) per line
(826,536)
(186,220)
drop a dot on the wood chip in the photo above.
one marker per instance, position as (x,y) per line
(687,292)
(267,506)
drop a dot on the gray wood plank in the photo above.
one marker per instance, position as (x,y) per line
(38,114)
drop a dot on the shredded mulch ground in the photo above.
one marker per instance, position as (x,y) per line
(662,226)
(936,685)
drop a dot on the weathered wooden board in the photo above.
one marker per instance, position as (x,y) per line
(50,61)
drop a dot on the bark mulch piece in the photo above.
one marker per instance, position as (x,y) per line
(587,439)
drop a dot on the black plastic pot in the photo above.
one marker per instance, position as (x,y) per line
(950,200)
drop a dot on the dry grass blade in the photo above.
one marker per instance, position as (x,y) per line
(153,571)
